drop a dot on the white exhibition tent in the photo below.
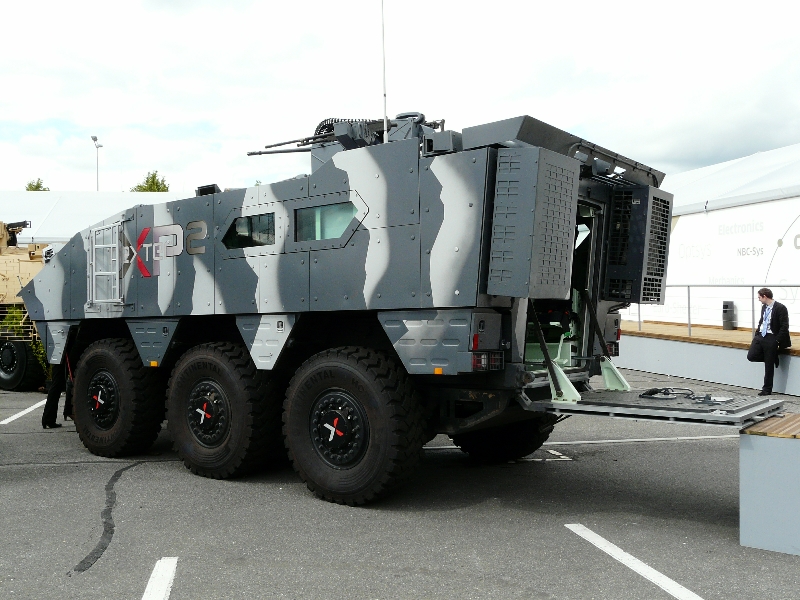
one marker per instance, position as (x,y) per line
(760,177)
(57,216)
(735,224)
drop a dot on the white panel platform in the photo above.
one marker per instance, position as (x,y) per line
(716,364)
(769,493)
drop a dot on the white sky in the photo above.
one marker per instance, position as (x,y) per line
(187,87)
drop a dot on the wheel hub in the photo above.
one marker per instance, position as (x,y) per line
(103,399)
(8,357)
(208,413)
(339,429)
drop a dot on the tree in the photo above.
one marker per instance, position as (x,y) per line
(36,186)
(151,183)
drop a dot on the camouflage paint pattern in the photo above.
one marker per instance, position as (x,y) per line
(423,236)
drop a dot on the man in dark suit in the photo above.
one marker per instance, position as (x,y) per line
(771,335)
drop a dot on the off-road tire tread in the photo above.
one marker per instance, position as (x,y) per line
(408,422)
(33,376)
(507,442)
(264,442)
(148,408)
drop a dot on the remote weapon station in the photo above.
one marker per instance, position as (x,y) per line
(433,282)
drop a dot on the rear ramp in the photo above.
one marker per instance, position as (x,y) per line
(732,411)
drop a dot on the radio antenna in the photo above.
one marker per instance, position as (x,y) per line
(383,51)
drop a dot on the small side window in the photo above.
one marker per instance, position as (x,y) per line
(323,222)
(251,231)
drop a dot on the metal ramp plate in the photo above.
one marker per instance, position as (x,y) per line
(733,411)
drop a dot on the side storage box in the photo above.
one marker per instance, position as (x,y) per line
(533,224)
(769,485)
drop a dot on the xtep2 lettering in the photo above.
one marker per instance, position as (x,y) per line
(139,244)
(168,241)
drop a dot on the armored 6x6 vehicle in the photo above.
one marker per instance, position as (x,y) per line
(417,281)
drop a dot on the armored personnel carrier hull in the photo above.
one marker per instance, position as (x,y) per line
(417,281)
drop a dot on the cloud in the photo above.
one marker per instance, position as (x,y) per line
(189,87)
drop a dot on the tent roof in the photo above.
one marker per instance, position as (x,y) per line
(760,177)
(57,216)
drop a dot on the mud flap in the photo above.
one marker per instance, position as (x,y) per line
(612,378)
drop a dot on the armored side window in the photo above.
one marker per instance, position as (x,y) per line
(247,232)
(323,222)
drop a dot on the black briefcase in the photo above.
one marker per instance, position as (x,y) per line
(756,351)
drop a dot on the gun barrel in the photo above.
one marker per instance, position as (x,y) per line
(301,141)
(17,226)
(287,151)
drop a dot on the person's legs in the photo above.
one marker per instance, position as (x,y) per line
(770,345)
(51,406)
(68,400)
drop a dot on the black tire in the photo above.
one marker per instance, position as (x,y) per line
(507,442)
(19,369)
(129,419)
(239,430)
(369,402)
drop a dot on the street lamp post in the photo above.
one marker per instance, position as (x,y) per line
(97,147)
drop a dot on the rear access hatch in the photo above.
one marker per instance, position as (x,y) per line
(732,410)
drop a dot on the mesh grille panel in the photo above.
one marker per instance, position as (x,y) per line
(533,224)
(620,228)
(555,234)
(619,289)
(652,285)
(657,244)
(504,228)
(651,289)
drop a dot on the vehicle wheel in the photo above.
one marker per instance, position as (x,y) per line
(19,369)
(353,424)
(507,442)
(224,415)
(118,404)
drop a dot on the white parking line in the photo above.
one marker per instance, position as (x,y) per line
(629,440)
(23,413)
(558,456)
(673,588)
(621,441)
(160,584)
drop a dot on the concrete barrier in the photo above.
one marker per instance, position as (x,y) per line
(716,364)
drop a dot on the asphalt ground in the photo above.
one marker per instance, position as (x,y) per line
(459,530)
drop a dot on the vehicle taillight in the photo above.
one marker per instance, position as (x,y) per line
(480,361)
(487,361)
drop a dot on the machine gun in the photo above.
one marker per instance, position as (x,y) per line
(351,133)
(9,231)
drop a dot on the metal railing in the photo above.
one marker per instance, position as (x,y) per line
(752,288)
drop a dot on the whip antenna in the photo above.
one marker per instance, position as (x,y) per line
(383,51)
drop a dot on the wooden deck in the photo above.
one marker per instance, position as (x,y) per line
(701,334)
(782,427)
